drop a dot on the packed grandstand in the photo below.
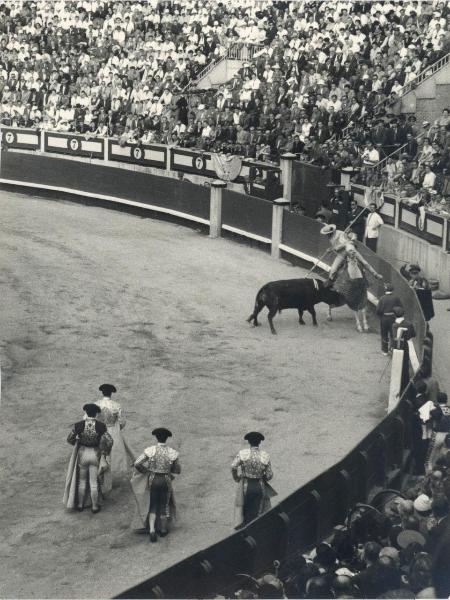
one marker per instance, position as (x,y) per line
(324,80)
(321,80)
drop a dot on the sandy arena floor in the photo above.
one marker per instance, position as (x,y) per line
(90,296)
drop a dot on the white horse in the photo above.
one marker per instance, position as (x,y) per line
(360,317)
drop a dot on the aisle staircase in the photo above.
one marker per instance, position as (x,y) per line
(425,97)
(431,84)
(223,68)
(429,93)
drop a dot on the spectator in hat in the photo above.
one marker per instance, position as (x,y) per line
(385,311)
(408,537)
(423,511)
(252,470)
(112,416)
(152,485)
(417,281)
(91,442)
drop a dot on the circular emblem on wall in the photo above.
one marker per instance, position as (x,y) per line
(74,144)
(10,138)
(138,154)
(200,163)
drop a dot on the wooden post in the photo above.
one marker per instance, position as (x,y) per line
(277,225)
(215,208)
(444,235)
(346,174)
(397,213)
(286,175)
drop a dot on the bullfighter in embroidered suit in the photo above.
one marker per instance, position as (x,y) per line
(121,455)
(92,444)
(338,240)
(252,470)
(154,470)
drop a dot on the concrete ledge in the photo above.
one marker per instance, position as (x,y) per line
(399,247)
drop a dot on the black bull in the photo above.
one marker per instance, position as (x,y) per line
(301,294)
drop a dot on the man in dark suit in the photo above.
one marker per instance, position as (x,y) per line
(320,132)
(411,145)
(379,133)
(356,219)
(385,310)
(402,332)
(221,103)
(297,146)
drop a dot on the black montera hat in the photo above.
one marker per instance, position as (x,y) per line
(91,409)
(107,389)
(254,437)
(161,434)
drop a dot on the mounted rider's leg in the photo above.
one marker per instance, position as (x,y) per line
(337,263)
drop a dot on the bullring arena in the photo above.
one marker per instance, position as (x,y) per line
(160,162)
(91,294)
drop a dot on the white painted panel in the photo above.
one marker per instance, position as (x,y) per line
(409,218)
(435,228)
(57,142)
(183,160)
(91,146)
(154,155)
(388,210)
(27,138)
(120,151)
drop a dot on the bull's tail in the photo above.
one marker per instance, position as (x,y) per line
(259,305)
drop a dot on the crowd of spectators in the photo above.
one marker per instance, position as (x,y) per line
(122,68)
(419,173)
(108,68)
(386,549)
(323,82)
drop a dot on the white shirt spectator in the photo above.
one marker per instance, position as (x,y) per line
(179,128)
(370,156)
(373,224)
(207,131)
(429,180)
